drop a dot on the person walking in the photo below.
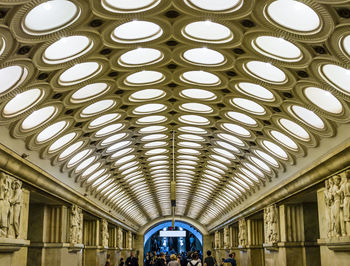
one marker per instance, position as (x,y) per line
(231,259)
(173,261)
(209,260)
(195,260)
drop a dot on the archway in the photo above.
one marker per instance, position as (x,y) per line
(169,239)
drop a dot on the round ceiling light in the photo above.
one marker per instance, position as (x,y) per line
(196,108)
(97,107)
(346,45)
(236,129)
(89,92)
(144,77)
(136,31)
(266,72)
(193,130)
(109,129)
(140,56)
(256,91)
(294,129)
(59,143)
(194,120)
(11,77)
(129,6)
(243,118)
(104,119)
(70,150)
(216,6)
(152,119)
(294,15)
(284,140)
(248,105)
(307,116)
(152,129)
(200,77)
(22,102)
(149,108)
(56,15)
(66,49)
(198,94)
(39,117)
(51,131)
(277,48)
(267,157)
(79,73)
(113,138)
(230,138)
(275,149)
(146,95)
(204,56)
(207,31)
(323,99)
(337,76)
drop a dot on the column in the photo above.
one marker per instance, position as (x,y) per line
(295,242)
(334,220)
(56,235)
(234,241)
(95,241)
(251,242)
(14,205)
(113,249)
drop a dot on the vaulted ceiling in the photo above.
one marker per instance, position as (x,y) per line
(219,95)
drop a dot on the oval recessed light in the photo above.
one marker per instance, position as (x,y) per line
(144,77)
(337,76)
(12,77)
(266,72)
(207,31)
(200,77)
(140,56)
(79,73)
(324,100)
(203,56)
(39,117)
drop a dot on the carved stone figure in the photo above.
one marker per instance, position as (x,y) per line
(271,224)
(242,232)
(336,195)
(346,204)
(328,201)
(226,237)
(217,239)
(104,232)
(130,240)
(16,205)
(10,206)
(120,238)
(76,225)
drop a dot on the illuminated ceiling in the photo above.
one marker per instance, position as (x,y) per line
(245,87)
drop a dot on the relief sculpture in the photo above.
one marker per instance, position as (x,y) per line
(271,224)
(10,206)
(76,225)
(242,233)
(337,202)
(104,232)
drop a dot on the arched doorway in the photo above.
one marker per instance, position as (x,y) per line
(177,239)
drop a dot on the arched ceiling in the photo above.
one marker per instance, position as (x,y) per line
(221,95)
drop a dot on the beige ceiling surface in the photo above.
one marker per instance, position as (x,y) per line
(219,95)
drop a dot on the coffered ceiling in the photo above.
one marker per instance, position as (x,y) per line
(219,95)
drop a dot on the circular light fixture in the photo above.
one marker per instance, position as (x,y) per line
(294,129)
(144,77)
(277,48)
(240,117)
(337,76)
(136,31)
(198,94)
(204,56)
(128,6)
(266,72)
(39,117)
(307,116)
(98,107)
(12,77)
(109,129)
(149,108)
(207,31)
(147,95)
(66,49)
(323,99)
(255,90)
(140,56)
(114,138)
(59,143)
(153,119)
(200,77)
(248,105)
(267,158)
(275,149)
(231,138)
(89,92)
(194,120)
(196,108)
(50,16)
(294,15)
(104,119)
(152,129)
(236,129)
(70,150)
(51,131)
(193,130)
(346,44)
(22,102)
(79,73)
(284,140)
(216,6)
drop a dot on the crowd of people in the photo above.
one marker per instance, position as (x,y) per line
(189,259)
